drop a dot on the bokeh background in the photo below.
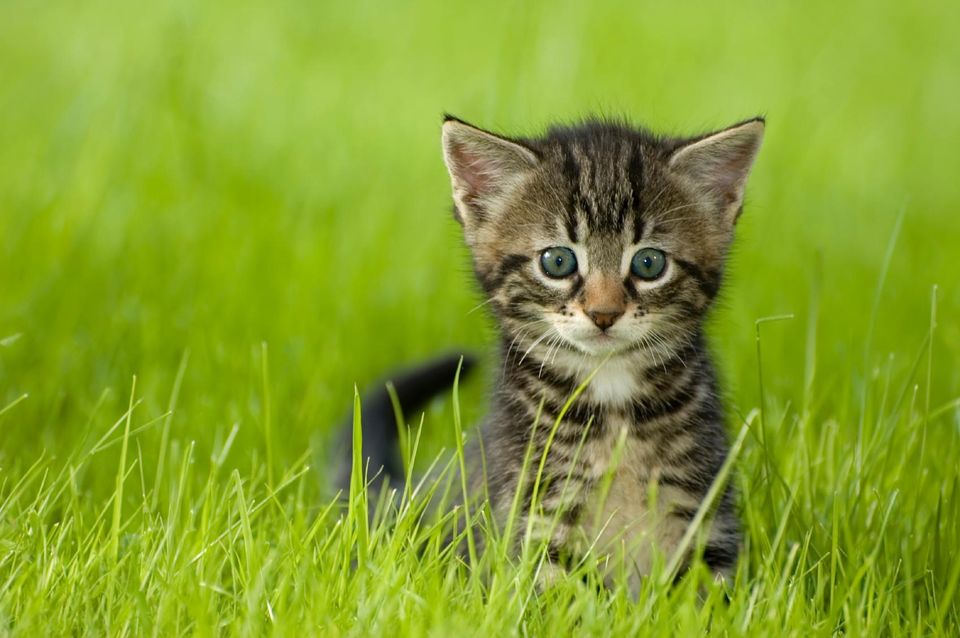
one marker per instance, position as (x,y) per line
(253,193)
(213,176)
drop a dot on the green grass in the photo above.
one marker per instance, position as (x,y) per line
(242,207)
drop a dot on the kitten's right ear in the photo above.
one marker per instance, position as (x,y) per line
(717,166)
(483,168)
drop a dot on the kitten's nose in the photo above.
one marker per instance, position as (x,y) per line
(606,317)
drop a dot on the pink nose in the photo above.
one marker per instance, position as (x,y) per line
(605,318)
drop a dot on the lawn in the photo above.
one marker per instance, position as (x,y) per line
(217,218)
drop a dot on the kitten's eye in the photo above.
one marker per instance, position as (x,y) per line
(648,263)
(558,262)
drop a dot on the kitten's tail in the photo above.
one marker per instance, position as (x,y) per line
(380,448)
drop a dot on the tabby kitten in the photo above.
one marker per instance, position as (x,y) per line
(600,248)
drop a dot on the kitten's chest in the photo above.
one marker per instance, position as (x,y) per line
(626,509)
(620,467)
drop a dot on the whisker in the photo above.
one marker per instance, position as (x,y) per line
(534,345)
(557,351)
(656,197)
(662,219)
(481,305)
(553,341)
(517,339)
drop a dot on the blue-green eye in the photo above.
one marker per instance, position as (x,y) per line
(558,262)
(648,263)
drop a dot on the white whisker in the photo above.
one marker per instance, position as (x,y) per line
(550,344)
(534,345)
(481,305)
(656,197)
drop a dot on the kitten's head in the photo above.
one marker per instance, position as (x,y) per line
(599,238)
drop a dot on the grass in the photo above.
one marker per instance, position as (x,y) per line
(216,218)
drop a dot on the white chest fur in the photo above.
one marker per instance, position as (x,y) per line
(614,382)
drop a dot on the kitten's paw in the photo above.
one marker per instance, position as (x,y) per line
(549,575)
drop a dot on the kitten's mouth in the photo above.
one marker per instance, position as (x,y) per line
(594,342)
(599,343)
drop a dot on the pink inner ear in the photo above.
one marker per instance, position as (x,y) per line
(728,175)
(470,170)
(734,167)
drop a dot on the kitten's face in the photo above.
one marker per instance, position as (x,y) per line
(599,239)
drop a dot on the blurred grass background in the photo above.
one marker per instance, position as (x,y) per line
(208,177)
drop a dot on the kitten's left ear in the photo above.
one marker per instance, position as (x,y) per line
(483,169)
(717,166)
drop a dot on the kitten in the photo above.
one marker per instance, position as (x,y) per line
(600,248)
